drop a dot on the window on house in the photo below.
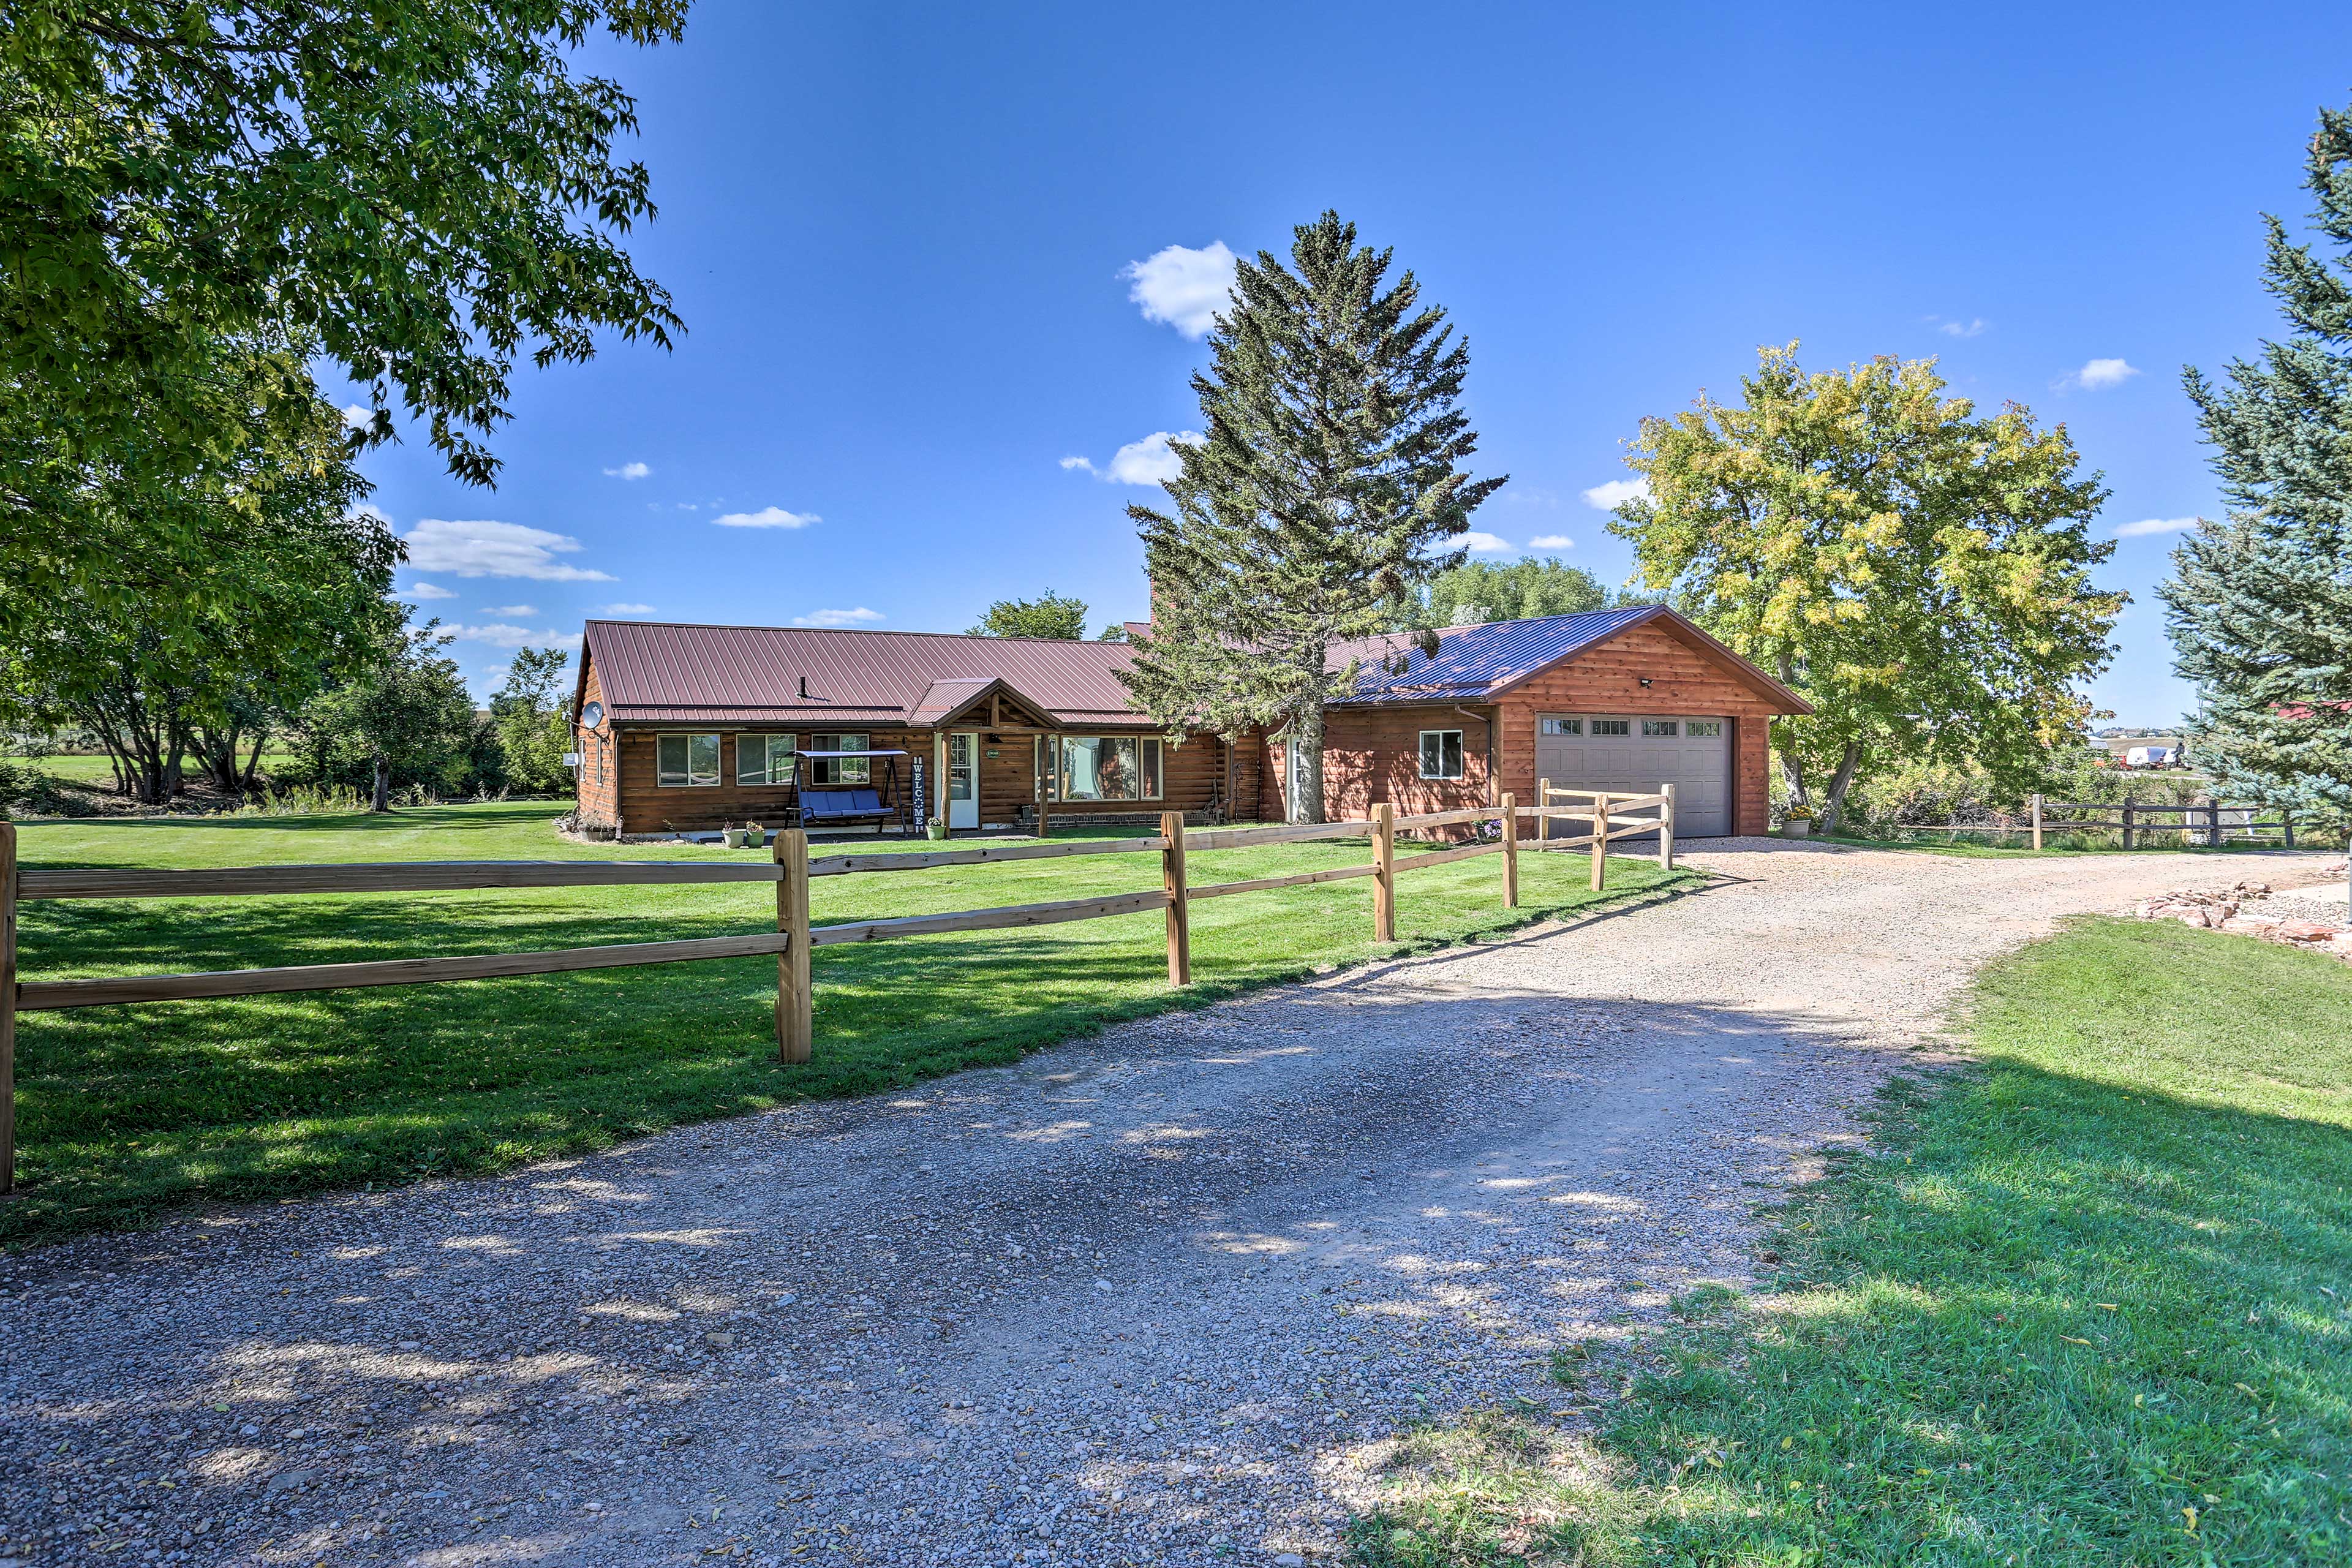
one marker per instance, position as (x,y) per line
(1562,726)
(1660,727)
(1107,767)
(764,759)
(1703,729)
(1441,754)
(687,758)
(1612,727)
(839,770)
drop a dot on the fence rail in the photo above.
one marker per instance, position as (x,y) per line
(790,869)
(2130,819)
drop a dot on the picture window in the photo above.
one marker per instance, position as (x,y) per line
(687,761)
(1441,754)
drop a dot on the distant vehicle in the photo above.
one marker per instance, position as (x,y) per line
(2151,756)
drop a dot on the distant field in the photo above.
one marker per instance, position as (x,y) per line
(97,770)
(127,1110)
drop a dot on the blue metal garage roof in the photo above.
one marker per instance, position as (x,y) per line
(1472,662)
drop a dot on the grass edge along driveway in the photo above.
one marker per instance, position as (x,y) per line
(129,1112)
(2088,1299)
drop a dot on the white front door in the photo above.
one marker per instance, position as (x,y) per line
(963,781)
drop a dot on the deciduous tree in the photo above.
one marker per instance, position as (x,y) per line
(1919,572)
(1050,615)
(2259,606)
(405,714)
(531,711)
(1327,486)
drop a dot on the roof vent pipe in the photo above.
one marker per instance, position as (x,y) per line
(804,686)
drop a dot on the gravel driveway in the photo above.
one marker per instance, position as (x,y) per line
(1157,1297)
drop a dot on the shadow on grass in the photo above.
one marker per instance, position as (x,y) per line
(2074,1307)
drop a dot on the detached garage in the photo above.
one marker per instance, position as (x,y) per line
(1613,699)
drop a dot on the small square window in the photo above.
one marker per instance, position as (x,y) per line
(1703,729)
(1660,727)
(1612,727)
(1561,726)
(764,759)
(687,760)
(1441,754)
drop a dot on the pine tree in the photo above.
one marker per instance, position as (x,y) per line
(1328,476)
(2259,609)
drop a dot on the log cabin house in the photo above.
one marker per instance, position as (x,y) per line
(688,728)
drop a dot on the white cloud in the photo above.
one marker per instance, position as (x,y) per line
(511,609)
(427,591)
(767,516)
(1084,464)
(2098,374)
(628,472)
(1616,493)
(1551,542)
(858,617)
(1485,543)
(626,609)
(498,633)
(2154,525)
(357,415)
(1149,461)
(1973,327)
(485,549)
(1182,287)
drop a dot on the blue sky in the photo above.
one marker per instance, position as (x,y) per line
(904,243)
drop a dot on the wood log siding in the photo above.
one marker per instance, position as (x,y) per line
(643,805)
(600,797)
(1685,680)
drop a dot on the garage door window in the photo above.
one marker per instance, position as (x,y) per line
(1660,727)
(1612,727)
(1441,754)
(1562,726)
(1703,729)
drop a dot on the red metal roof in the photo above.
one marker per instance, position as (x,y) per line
(809,678)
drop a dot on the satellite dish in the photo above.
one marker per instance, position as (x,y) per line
(592,715)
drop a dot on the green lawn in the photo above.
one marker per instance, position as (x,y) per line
(124,1110)
(2084,1303)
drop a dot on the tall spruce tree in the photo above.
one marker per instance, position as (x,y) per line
(2259,607)
(1327,487)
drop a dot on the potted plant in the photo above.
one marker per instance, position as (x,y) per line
(734,836)
(938,827)
(756,836)
(1797,822)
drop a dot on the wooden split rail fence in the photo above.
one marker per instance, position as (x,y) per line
(791,870)
(2206,821)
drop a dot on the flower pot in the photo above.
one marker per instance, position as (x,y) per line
(938,827)
(734,836)
(1797,827)
(755,836)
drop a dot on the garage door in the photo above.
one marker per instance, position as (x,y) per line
(1633,754)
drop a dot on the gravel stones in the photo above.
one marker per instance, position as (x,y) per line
(1161,1297)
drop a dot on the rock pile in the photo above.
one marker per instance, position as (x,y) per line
(2249,909)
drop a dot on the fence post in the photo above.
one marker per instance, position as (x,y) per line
(2127,822)
(2286,826)
(1510,851)
(2037,820)
(7,1007)
(1384,872)
(2212,822)
(795,999)
(1666,829)
(1543,808)
(1180,914)
(1600,840)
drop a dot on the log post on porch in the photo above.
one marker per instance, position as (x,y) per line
(795,995)
(1179,918)
(940,780)
(1510,851)
(1600,840)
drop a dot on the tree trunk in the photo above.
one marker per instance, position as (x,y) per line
(383,801)
(252,779)
(1835,810)
(1306,748)
(1793,774)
